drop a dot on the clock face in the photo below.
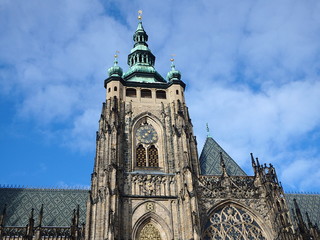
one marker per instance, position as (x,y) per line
(146,134)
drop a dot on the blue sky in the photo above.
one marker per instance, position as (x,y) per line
(252,70)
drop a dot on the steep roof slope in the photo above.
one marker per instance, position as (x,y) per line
(210,160)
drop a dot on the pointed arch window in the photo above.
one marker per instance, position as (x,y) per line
(231,222)
(149,232)
(141,156)
(153,157)
(147,145)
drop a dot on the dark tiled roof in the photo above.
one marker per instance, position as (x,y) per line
(307,203)
(58,205)
(210,160)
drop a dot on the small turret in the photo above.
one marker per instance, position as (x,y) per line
(173,74)
(115,71)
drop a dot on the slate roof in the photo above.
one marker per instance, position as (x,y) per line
(58,205)
(210,160)
(307,203)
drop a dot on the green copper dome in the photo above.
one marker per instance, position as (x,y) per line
(173,74)
(115,71)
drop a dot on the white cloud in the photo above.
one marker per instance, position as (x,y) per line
(82,137)
(301,174)
(54,103)
(255,63)
(268,124)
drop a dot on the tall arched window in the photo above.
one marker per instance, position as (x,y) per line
(147,141)
(141,156)
(153,157)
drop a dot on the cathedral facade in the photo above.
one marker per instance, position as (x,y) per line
(149,182)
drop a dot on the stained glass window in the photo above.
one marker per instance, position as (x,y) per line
(149,232)
(141,156)
(153,156)
(232,223)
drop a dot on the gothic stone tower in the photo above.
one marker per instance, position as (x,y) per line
(146,182)
(146,155)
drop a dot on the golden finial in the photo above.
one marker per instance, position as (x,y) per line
(116,54)
(172,57)
(140,15)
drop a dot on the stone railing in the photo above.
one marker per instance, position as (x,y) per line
(232,186)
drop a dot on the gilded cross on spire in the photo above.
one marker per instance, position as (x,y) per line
(140,15)
(172,57)
(116,57)
(172,61)
(116,54)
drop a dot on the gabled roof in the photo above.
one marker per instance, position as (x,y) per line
(58,205)
(210,160)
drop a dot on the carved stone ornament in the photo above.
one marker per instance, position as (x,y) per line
(231,222)
(150,207)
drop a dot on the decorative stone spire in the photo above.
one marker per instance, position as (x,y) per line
(173,74)
(253,162)
(223,166)
(115,71)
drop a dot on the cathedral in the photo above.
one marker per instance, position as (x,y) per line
(150,183)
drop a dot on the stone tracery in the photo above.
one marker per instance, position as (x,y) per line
(149,232)
(233,223)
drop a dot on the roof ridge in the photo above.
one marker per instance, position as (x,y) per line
(12,186)
(302,192)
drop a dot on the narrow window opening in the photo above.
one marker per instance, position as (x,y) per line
(109,89)
(115,89)
(177,92)
(153,156)
(146,93)
(131,92)
(141,156)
